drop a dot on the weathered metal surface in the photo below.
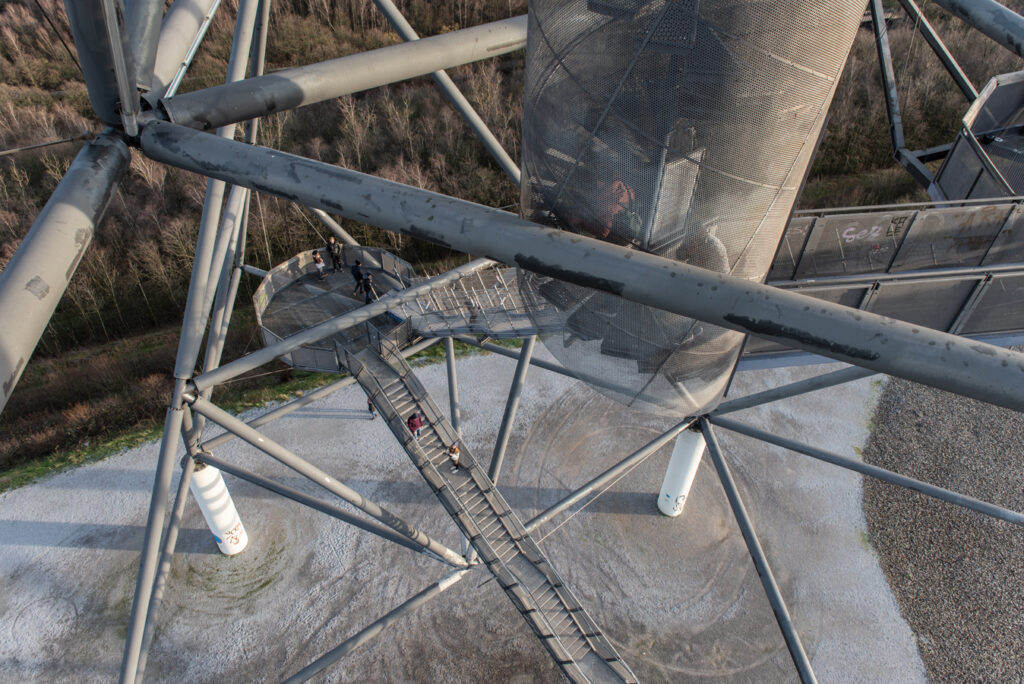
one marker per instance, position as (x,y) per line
(289,88)
(888,346)
(35,278)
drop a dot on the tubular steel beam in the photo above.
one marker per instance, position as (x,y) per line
(148,564)
(860,338)
(87,21)
(940,50)
(514,392)
(921,173)
(183,30)
(36,277)
(289,88)
(314,474)
(164,568)
(143,18)
(317,505)
(305,399)
(764,571)
(124,66)
(453,385)
(332,326)
(794,388)
(336,228)
(365,635)
(1002,25)
(610,475)
(874,471)
(458,100)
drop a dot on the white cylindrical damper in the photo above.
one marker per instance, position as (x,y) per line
(682,468)
(219,510)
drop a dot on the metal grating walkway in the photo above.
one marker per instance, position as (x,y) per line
(485,518)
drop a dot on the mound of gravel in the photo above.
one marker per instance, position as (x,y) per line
(958,575)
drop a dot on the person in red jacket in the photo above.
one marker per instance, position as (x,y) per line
(415,424)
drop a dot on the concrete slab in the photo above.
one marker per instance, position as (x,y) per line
(679,597)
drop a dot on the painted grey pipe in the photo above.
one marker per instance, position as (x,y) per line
(143,19)
(1002,25)
(453,385)
(940,49)
(375,628)
(764,571)
(873,471)
(124,66)
(318,476)
(332,326)
(149,562)
(306,398)
(164,568)
(36,277)
(609,475)
(804,386)
(201,290)
(511,406)
(336,228)
(92,43)
(857,337)
(289,88)
(458,100)
(182,31)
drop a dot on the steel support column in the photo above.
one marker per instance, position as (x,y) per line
(893,347)
(336,228)
(794,388)
(873,471)
(87,21)
(511,406)
(609,475)
(455,96)
(364,635)
(921,173)
(1002,25)
(453,385)
(289,88)
(36,277)
(940,50)
(143,19)
(151,542)
(314,474)
(170,540)
(182,31)
(764,571)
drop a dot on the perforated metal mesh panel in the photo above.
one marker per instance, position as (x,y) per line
(681,128)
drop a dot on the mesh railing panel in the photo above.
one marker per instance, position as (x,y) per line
(680,128)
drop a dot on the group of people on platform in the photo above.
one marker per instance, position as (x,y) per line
(363,281)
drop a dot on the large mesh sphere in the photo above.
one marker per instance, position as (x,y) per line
(681,128)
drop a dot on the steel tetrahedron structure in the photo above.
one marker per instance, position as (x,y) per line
(656,250)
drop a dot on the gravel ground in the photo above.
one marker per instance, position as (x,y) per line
(958,575)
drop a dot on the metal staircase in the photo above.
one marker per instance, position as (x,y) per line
(485,518)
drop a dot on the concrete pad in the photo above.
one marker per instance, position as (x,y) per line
(678,597)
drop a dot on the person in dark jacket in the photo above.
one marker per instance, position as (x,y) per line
(334,249)
(415,424)
(368,287)
(357,274)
